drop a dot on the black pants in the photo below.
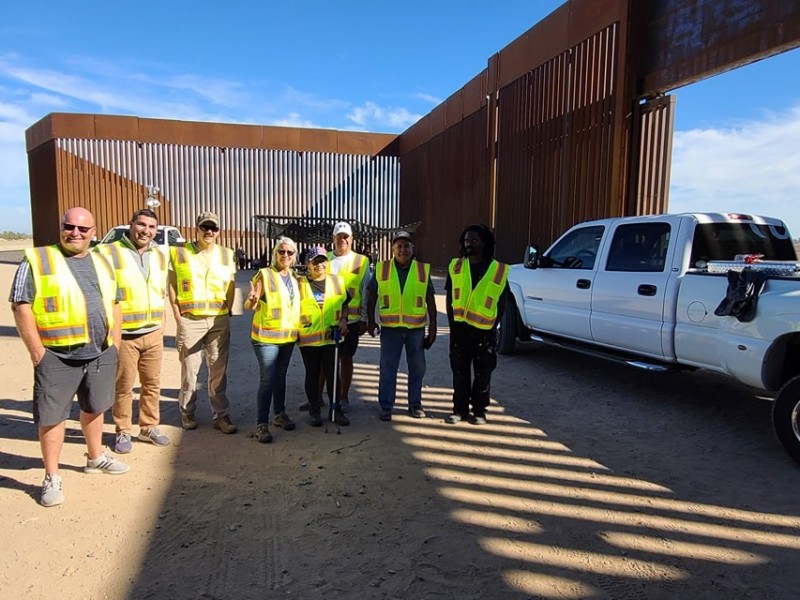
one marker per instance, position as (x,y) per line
(471,350)
(317,360)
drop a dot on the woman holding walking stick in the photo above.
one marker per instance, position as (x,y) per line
(323,304)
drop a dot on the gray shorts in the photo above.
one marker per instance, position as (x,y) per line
(56,381)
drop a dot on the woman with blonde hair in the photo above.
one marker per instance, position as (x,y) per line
(275,298)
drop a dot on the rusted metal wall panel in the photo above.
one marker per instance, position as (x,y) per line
(190,133)
(689,40)
(652,159)
(555,144)
(444,183)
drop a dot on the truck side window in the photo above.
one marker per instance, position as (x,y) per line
(172,237)
(578,249)
(639,247)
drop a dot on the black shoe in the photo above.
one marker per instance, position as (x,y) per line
(315,419)
(417,412)
(385,415)
(341,419)
(304,406)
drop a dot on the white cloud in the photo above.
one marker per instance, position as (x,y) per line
(48,101)
(428,98)
(370,114)
(294,120)
(751,168)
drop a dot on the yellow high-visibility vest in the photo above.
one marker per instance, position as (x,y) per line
(476,307)
(142,301)
(199,293)
(277,318)
(406,309)
(353,271)
(316,322)
(59,305)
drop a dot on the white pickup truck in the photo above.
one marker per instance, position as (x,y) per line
(166,236)
(645,290)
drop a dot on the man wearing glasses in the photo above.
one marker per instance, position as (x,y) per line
(66,308)
(201,286)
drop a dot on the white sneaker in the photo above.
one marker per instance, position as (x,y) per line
(105,463)
(51,490)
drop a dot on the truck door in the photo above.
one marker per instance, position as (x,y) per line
(628,303)
(557,296)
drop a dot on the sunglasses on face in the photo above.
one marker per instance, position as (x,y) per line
(209,227)
(286,252)
(71,227)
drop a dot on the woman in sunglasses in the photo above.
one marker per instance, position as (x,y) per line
(275,298)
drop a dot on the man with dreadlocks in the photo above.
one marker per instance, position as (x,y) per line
(476,289)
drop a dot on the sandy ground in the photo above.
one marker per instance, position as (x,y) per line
(591,480)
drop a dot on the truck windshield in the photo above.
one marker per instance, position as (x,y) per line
(723,241)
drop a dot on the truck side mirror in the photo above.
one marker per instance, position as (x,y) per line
(531,258)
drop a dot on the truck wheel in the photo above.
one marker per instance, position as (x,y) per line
(507,330)
(786,417)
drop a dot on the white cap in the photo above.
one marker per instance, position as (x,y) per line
(342,227)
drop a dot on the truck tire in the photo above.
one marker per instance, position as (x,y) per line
(786,417)
(507,330)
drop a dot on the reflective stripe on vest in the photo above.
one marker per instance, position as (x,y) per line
(142,301)
(277,318)
(478,306)
(406,309)
(354,270)
(316,322)
(200,293)
(59,306)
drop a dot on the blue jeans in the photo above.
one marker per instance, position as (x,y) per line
(393,340)
(273,362)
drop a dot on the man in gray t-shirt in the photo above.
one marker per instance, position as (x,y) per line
(66,308)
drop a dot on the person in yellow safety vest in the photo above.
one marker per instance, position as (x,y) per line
(403,292)
(275,298)
(140,266)
(201,288)
(353,268)
(65,303)
(477,292)
(323,307)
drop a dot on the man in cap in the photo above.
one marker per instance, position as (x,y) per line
(403,292)
(353,268)
(477,289)
(201,293)
(65,304)
(141,271)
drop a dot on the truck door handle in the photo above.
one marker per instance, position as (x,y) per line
(583,284)
(647,290)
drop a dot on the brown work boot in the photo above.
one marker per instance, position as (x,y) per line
(263,434)
(283,421)
(224,425)
(187,421)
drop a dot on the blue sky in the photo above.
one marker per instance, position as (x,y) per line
(373,66)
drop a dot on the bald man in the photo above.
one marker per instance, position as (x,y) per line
(66,308)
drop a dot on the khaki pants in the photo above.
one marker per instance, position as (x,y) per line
(140,355)
(212,334)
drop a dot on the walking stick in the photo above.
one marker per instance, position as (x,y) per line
(335,401)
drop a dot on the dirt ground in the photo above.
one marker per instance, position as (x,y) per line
(591,480)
